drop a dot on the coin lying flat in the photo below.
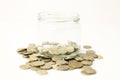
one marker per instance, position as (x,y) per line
(32,58)
(87,63)
(33,68)
(37,63)
(87,47)
(75,64)
(62,67)
(61,50)
(42,72)
(69,49)
(45,59)
(24,67)
(88,57)
(55,58)
(78,58)
(47,66)
(88,71)
(91,53)
(60,62)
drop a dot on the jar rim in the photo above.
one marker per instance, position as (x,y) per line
(58,17)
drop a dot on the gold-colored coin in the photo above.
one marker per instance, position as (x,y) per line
(55,58)
(22,50)
(87,63)
(37,63)
(62,67)
(75,64)
(42,72)
(32,48)
(88,57)
(88,71)
(78,58)
(33,68)
(60,62)
(24,67)
(87,47)
(47,66)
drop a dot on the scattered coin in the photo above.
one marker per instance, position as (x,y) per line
(24,67)
(87,47)
(22,50)
(33,68)
(62,67)
(32,58)
(87,63)
(37,63)
(88,57)
(75,64)
(88,71)
(92,54)
(45,59)
(32,48)
(51,55)
(60,62)
(55,58)
(78,58)
(42,72)
(69,49)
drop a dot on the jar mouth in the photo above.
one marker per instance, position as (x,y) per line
(58,17)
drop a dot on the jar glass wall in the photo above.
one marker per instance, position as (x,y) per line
(57,27)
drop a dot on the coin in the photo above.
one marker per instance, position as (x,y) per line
(35,68)
(91,53)
(88,57)
(24,67)
(32,48)
(53,50)
(69,48)
(22,50)
(60,62)
(75,64)
(55,58)
(62,67)
(37,63)
(87,47)
(32,58)
(45,59)
(87,63)
(47,66)
(42,72)
(61,50)
(78,58)
(88,71)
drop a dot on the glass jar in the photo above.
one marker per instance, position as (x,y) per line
(59,28)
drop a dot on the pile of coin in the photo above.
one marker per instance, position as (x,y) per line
(63,57)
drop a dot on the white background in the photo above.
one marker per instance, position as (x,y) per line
(100,21)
